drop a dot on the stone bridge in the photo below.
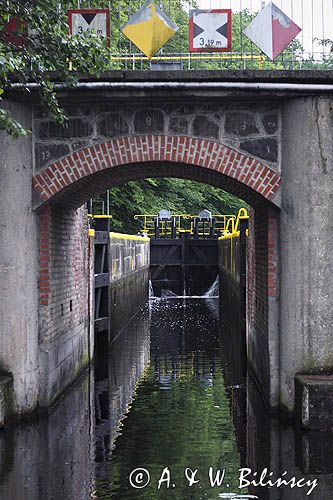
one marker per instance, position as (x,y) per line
(265,137)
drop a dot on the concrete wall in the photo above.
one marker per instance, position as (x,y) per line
(306,241)
(129,275)
(18,266)
(282,447)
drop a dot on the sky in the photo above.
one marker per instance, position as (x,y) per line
(315,17)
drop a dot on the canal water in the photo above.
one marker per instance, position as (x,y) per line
(166,415)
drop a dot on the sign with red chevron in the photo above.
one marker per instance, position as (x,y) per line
(84,21)
(210,30)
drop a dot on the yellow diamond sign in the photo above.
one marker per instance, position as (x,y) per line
(149,29)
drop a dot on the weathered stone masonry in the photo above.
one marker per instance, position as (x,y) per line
(252,128)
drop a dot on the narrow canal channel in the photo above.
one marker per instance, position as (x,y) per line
(165,400)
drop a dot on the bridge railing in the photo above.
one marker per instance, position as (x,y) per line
(311,49)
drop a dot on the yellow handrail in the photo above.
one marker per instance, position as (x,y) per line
(93,216)
(232,227)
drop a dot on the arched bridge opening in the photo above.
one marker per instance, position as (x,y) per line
(77,177)
(63,186)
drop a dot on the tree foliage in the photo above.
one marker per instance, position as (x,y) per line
(48,49)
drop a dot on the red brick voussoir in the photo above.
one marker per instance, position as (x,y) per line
(210,154)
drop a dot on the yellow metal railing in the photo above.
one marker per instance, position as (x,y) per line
(225,225)
(148,222)
(232,228)
(184,223)
(93,216)
(220,224)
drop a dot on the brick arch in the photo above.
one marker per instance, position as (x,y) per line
(182,156)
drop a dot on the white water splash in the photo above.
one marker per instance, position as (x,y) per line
(151,289)
(213,291)
(168,294)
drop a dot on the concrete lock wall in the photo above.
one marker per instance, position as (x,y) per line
(129,275)
(18,266)
(306,241)
(44,267)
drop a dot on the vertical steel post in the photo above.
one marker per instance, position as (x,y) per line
(157,228)
(174,228)
(212,228)
(109,270)
(183,259)
(195,228)
(243,225)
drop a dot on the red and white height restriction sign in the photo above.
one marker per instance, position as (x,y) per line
(210,30)
(14,32)
(84,21)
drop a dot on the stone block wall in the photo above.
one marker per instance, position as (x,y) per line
(249,127)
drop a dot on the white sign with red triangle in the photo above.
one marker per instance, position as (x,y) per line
(85,21)
(272,31)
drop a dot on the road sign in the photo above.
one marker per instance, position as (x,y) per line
(85,21)
(272,31)
(149,28)
(210,30)
(14,33)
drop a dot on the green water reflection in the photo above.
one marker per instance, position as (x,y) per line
(180,415)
